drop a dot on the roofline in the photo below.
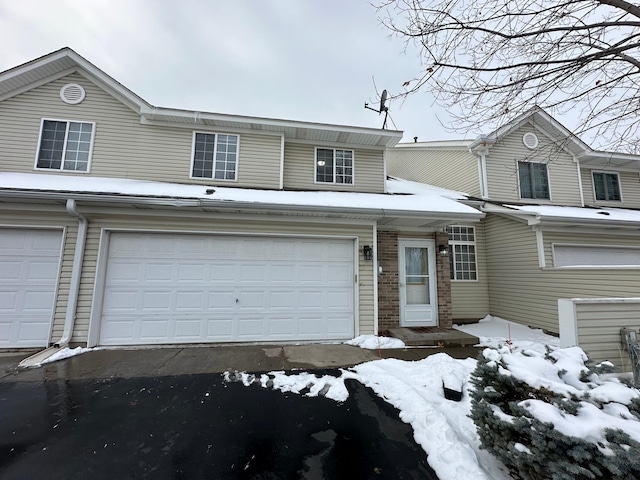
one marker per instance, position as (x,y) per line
(144,108)
(534,218)
(463,144)
(394,135)
(524,117)
(182,202)
(83,63)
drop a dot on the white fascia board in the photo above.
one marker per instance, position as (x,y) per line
(154,113)
(230,205)
(535,219)
(436,145)
(83,67)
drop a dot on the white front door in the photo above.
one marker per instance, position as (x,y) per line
(417,279)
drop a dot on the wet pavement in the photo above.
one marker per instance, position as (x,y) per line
(196,426)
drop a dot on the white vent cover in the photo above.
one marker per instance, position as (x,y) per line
(72,93)
(530,140)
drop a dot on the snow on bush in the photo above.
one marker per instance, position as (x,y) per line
(548,415)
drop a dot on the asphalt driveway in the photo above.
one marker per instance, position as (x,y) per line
(198,427)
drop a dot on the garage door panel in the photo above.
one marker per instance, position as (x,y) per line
(258,288)
(29,270)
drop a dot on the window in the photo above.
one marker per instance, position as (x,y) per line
(334,165)
(215,155)
(595,256)
(534,181)
(65,145)
(462,253)
(606,186)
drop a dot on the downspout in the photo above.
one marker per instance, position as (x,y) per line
(76,273)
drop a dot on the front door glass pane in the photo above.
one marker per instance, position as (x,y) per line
(417,275)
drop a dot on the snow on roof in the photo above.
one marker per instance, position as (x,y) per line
(401,186)
(423,201)
(551,212)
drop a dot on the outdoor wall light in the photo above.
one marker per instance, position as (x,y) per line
(443,250)
(367,251)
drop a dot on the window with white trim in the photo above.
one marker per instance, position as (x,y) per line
(606,186)
(334,165)
(462,253)
(534,180)
(65,145)
(215,155)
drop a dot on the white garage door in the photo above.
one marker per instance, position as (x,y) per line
(29,265)
(180,288)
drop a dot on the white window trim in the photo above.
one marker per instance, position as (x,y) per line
(62,169)
(593,187)
(593,267)
(518,182)
(353,166)
(452,244)
(193,151)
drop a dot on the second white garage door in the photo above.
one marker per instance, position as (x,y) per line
(183,288)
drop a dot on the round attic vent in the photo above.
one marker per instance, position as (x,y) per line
(530,140)
(72,93)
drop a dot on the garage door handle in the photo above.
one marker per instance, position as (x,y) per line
(236,300)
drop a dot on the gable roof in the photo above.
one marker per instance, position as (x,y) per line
(544,122)
(65,61)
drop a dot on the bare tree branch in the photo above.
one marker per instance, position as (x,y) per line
(486,60)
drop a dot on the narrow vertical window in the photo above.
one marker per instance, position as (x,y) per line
(462,253)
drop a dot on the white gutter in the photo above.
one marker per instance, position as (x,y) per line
(76,273)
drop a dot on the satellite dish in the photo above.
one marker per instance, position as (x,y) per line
(381,108)
(383,100)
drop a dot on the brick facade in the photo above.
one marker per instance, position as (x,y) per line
(388,288)
(443,274)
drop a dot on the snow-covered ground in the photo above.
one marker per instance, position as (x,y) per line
(443,427)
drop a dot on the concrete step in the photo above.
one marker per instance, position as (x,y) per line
(436,337)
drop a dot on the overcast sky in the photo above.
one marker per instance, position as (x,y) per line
(312,60)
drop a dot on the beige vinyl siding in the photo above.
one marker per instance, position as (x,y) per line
(36,217)
(502,174)
(123,147)
(517,289)
(470,299)
(521,291)
(452,169)
(629,187)
(364,233)
(599,325)
(299,169)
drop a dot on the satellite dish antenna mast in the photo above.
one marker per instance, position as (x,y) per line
(381,108)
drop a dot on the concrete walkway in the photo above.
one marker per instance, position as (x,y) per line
(161,361)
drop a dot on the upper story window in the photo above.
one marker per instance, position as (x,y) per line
(65,145)
(534,180)
(462,253)
(215,155)
(334,165)
(606,186)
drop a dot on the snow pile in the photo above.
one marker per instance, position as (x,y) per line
(496,332)
(64,353)
(440,426)
(373,342)
(444,428)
